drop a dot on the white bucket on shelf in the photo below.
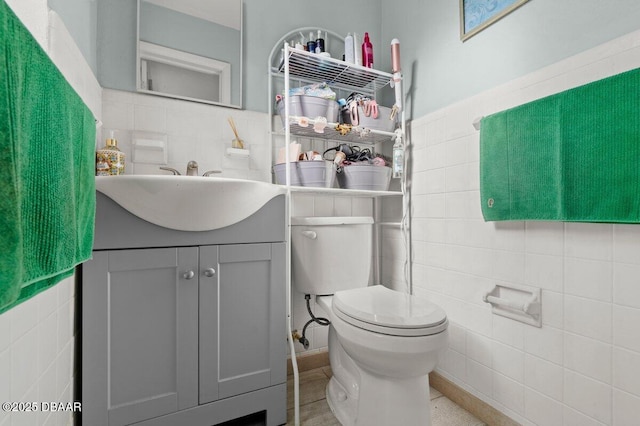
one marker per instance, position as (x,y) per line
(365,176)
(381,122)
(319,174)
(310,107)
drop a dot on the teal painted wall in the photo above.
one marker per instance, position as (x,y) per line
(267,21)
(439,69)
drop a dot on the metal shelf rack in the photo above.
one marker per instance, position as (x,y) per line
(288,66)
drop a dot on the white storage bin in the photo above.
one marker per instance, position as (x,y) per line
(310,107)
(365,176)
(320,174)
(381,123)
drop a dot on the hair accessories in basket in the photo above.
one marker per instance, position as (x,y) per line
(370,108)
(319,124)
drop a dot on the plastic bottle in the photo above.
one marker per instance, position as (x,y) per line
(357,52)
(311,44)
(367,52)
(345,116)
(398,159)
(349,51)
(319,43)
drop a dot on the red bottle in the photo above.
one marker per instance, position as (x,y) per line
(367,52)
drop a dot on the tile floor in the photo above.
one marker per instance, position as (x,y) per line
(314,410)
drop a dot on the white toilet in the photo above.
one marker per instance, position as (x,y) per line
(382,343)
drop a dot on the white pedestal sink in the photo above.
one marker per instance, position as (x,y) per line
(188,203)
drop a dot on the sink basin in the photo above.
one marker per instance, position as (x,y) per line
(188,203)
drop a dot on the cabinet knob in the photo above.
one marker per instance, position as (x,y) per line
(209,272)
(188,275)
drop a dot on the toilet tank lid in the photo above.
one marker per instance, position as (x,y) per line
(333,220)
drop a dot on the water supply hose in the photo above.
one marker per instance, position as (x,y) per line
(319,320)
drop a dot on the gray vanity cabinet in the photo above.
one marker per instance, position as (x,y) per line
(240,318)
(192,334)
(144,333)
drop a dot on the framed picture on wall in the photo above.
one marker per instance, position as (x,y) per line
(476,15)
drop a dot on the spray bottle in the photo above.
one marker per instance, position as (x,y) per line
(398,157)
(396,83)
(367,52)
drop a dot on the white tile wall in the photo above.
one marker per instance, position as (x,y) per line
(193,131)
(37,336)
(36,355)
(583,366)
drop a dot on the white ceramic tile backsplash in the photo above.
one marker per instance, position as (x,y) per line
(479,377)
(625,244)
(508,393)
(36,363)
(588,356)
(542,410)
(193,131)
(545,342)
(588,278)
(588,396)
(626,290)
(572,417)
(583,366)
(626,370)
(625,408)
(625,327)
(543,376)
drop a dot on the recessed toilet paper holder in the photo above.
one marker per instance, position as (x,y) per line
(516,302)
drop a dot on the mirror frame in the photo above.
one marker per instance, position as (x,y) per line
(140,89)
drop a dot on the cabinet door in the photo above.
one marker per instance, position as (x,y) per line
(242,319)
(139,334)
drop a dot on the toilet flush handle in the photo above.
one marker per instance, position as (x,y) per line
(310,234)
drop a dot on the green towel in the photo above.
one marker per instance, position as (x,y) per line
(573,156)
(47,186)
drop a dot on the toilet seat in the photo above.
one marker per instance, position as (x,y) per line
(381,310)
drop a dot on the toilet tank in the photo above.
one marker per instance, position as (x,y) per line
(330,253)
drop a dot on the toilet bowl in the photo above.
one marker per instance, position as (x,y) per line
(382,343)
(381,378)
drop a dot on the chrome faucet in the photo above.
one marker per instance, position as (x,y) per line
(192,170)
(172,170)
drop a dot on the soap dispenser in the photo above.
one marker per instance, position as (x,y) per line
(109,159)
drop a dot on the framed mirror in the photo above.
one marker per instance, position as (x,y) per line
(191,50)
